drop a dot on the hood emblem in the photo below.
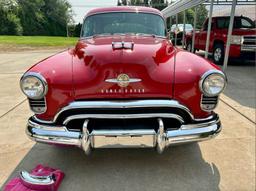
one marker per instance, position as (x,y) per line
(123,80)
(122,45)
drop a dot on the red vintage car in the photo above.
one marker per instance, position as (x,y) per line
(123,85)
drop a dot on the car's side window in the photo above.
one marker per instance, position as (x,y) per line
(245,23)
(223,23)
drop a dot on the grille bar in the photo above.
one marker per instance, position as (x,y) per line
(249,40)
(209,103)
(37,106)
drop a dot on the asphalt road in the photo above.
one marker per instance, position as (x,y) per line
(224,163)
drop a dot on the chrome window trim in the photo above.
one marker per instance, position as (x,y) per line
(123,116)
(208,73)
(40,77)
(105,12)
(126,11)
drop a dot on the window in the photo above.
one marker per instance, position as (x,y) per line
(244,23)
(125,22)
(222,23)
(205,27)
(239,22)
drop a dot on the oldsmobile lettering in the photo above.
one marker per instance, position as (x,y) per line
(123,91)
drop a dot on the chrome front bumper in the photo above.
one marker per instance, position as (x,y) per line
(139,138)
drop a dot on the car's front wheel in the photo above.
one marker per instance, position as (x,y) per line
(218,53)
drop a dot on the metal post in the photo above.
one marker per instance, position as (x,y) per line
(184,29)
(176,29)
(209,30)
(170,23)
(230,28)
(170,37)
(194,31)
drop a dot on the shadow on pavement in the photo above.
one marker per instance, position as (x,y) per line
(178,168)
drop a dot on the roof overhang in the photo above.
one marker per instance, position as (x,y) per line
(180,6)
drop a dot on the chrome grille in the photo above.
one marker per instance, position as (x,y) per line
(249,40)
(209,103)
(37,106)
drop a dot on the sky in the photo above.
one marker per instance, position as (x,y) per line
(81,7)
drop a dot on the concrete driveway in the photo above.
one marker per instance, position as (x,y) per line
(224,163)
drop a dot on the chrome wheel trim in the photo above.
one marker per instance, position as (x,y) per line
(217,54)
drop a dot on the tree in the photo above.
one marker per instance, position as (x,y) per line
(77,30)
(58,16)
(202,14)
(31,16)
(159,4)
(9,22)
(35,17)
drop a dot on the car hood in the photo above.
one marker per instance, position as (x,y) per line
(244,31)
(103,71)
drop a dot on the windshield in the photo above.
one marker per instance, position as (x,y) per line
(112,23)
(188,27)
(239,22)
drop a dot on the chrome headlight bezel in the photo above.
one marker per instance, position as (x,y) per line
(40,79)
(208,74)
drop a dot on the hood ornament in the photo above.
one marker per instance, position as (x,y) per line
(122,45)
(123,80)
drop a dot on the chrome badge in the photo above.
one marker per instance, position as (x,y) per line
(123,80)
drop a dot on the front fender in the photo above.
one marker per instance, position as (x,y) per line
(57,70)
(188,70)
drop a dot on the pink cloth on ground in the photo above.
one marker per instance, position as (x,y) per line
(16,185)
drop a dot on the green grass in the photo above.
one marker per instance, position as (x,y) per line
(38,41)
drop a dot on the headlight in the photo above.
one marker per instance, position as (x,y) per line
(235,39)
(33,85)
(213,83)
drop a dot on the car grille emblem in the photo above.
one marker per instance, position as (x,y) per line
(123,80)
